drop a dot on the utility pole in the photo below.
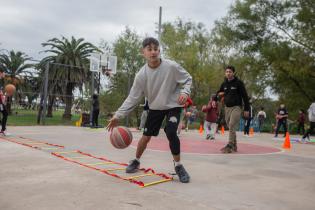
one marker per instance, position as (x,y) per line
(92,93)
(160,25)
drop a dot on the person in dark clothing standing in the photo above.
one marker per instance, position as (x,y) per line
(96,110)
(234,96)
(248,120)
(282,116)
(301,122)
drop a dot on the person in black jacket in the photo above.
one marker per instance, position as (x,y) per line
(281,116)
(235,96)
(96,110)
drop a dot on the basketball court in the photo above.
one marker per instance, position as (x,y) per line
(58,167)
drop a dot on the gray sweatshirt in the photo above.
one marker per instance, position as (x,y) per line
(161,86)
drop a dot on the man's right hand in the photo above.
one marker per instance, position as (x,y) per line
(112,124)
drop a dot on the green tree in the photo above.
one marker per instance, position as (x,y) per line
(188,43)
(272,43)
(127,49)
(73,53)
(16,68)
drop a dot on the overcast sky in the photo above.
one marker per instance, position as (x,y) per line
(25,24)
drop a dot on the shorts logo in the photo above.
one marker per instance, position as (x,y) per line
(173,119)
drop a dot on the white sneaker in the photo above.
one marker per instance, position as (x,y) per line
(4,133)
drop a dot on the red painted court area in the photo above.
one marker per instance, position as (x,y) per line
(206,147)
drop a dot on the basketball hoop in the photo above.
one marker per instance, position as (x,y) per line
(104,63)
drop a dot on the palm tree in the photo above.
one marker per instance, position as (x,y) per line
(73,53)
(15,66)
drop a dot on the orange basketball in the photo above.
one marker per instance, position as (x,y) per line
(120,137)
(10,89)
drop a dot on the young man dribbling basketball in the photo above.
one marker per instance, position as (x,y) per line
(167,87)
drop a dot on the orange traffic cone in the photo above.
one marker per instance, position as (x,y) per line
(222,130)
(287,143)
(201,129)
(251,132)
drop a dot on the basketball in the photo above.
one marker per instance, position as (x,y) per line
(120,137)
(10,89)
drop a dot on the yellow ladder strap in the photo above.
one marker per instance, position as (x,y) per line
(142,175)
(156,182)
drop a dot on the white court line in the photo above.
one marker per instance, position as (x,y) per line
(219,154)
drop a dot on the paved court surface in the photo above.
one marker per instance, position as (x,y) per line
(260,176)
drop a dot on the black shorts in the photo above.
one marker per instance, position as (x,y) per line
(155,119)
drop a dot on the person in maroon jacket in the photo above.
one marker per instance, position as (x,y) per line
(210,123)
(301,122)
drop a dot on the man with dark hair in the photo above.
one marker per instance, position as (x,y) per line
(166,85)
(235,96)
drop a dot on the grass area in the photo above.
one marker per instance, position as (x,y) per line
(23,117)
(29,117)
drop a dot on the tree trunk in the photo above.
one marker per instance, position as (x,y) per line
(51,101)
(40,110)
(68,101)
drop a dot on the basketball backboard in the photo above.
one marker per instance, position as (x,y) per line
(95,62)
(103,63)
